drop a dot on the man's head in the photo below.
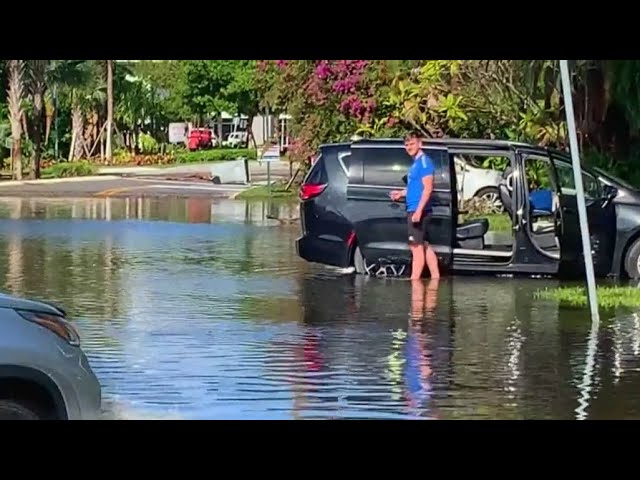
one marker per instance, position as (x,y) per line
(413,144)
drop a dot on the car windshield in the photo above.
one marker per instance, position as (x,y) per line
(615,179)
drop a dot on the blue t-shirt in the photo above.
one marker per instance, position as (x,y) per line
(422,167)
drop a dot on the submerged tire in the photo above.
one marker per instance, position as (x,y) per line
(632,260)
(12,410)
(358,261)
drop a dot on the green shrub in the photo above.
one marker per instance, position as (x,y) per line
(626,168)
(70,169)
(215,155)
(148,144)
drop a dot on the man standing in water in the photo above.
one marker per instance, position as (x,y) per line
(419,209)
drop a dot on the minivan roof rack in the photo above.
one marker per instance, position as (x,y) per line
(467,142)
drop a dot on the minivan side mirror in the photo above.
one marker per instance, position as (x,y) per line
(610,193)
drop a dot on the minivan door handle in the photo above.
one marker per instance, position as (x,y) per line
(395,205)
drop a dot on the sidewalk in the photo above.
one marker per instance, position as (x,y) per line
(257,170)
(48,181)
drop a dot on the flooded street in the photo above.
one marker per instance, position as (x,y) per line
(196,309)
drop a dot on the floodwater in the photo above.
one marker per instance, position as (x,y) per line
(200,309)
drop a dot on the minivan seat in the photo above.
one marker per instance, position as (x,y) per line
(472,229)
(503,191)
(505,198)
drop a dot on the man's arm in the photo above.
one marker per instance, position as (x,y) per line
(427,183)
(398,194)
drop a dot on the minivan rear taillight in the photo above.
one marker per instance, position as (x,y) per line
(311,190)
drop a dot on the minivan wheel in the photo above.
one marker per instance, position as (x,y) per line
(632,261)
(358,261)
(374,269)
(12,410)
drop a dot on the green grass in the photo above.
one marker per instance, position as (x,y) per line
(498,222)
(69,169)
(608,297)
(262,192)
(215,155)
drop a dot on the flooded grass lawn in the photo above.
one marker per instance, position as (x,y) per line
(201,310)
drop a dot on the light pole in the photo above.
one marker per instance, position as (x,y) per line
(577,175)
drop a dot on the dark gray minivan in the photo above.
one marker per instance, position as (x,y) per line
(348,219)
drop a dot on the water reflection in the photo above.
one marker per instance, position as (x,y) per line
(201,309)
(169,209)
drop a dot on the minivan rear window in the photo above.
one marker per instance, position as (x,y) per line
(317,175)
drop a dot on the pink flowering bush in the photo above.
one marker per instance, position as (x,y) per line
(329,100)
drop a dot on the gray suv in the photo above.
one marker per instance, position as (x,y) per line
(44,375)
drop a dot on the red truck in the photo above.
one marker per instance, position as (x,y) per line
(200,138)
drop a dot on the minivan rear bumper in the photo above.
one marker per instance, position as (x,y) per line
(304,249)
(327,252)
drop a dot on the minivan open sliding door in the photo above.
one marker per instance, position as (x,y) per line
(380,224)
(538,230)
(601,214)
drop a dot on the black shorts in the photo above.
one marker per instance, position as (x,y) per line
(418,233)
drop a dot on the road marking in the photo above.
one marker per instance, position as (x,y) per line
(212,188)
(113,191)
(175,186)
(187,184)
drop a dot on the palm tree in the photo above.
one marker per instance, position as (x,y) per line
(76,80)
(14,99)
(108,152)
(38,86)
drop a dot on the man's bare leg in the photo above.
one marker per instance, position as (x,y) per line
(432,261)
(417,265)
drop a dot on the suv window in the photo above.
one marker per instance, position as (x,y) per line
(317,175)
(568,186)
(344,158)
(384,166)
(388,166)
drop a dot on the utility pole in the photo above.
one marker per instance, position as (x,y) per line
(108,152)
(577,175)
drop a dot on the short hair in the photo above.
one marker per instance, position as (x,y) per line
(413,135)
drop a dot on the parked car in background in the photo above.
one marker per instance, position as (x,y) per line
(477,182)
(201,139)
(236,140)
(44,374)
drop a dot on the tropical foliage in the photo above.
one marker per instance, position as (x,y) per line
(60,109)
(517,100)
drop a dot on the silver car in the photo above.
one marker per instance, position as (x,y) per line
(44,374)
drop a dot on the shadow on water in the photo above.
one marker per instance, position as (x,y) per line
(201,309)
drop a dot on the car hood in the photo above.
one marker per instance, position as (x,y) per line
(628,196)
(16,303)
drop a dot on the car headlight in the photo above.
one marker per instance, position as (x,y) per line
(54,323)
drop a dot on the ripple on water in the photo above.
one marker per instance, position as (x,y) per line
(221,319)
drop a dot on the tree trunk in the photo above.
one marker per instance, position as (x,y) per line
(77,127)
(38,89)
(250,137)
(109,154)
(14,100)
(37,137)
(136,140)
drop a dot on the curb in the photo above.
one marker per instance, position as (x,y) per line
(92,178)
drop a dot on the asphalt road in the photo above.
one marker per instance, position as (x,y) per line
(181,180)
(111,186)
